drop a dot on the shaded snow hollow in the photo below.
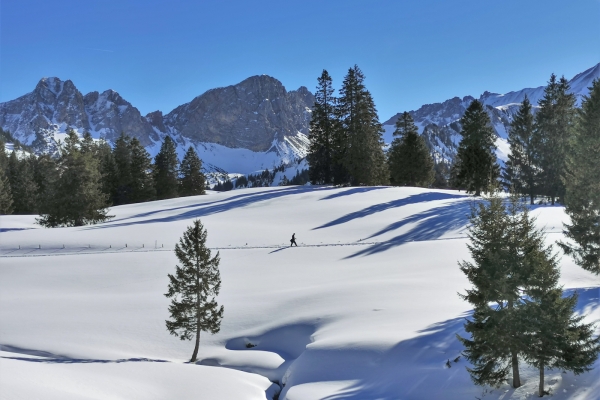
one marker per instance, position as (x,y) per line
(365,308)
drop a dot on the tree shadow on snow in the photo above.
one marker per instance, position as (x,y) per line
(50,358)
(352,191)
(204,209)
(417,198)
(428,225)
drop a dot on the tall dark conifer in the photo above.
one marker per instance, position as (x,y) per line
(323,124)
(193,288)
(166,170)
(583,185)
(23,187)
(191,179)
(521,173)
(409,159)
(475,166)
(122,157)
(359,136)
(6,200)
(554,123)
(142,182)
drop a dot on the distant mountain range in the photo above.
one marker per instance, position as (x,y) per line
(243,128)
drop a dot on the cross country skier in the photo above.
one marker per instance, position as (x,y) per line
(293,240)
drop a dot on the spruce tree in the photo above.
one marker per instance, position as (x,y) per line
(521,172)
(556,337)
(359,134)
(142,182)
(554,123)
(6,200)
(45,174)
(583,185)
(409,159)
(23,187)
(191,179)
(323,124)
(166,170)
(108,171)
(193,288)
(506,248)
(122,157)
(77,198)
(475,166)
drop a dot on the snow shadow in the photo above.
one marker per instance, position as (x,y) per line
(417,198)
(14,229)
(204,209)
(412,369)
(588,299)
(429,225)
(50,358)
(353,191)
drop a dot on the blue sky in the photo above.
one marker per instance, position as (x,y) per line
(160,54)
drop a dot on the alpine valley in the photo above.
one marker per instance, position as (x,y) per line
(240,129)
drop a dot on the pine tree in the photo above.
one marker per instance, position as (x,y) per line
(193,288)
(166,170)
(45,175)
(583,185)
(521,172)
(556,338)
(506,248)
(122,157)
(475,166)
(554,123)
(323,124)
(22,184)
(359,141)
(192,180)
(6,200)
(77,198)
(409,159)
(108,171)
(142,182)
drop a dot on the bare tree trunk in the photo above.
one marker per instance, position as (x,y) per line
(195,354)
(515,369)
(541,389)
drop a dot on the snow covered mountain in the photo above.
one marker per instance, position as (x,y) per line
(439,122)
(250,126)
(243,128)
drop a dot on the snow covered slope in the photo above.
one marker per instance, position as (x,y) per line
(365,308)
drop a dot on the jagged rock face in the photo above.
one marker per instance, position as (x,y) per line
(110,114)
(52,105)
(251,114)
(55,105)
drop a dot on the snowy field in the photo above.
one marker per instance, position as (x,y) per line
(365,308)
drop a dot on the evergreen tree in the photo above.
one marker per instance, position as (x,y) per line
(193,288)
(166,170)
(359,142)
(583,185)
(77,198)
(323,124)
(22,184)
(475,166)
(506,248)
(192,180)
(521,172)
(556,337)
(553,130)
(108,171)
(122,157)
(409,159)
(45,175)
(142,182)
(6,200)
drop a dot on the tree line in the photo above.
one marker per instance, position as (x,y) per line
(76,186)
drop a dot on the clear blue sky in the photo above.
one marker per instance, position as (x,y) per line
(160,54)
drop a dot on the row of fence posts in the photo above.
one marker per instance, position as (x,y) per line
(109,246)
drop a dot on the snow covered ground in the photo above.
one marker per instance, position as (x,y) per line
(365,308)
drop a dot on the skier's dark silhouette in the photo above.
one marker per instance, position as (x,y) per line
(293,240)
